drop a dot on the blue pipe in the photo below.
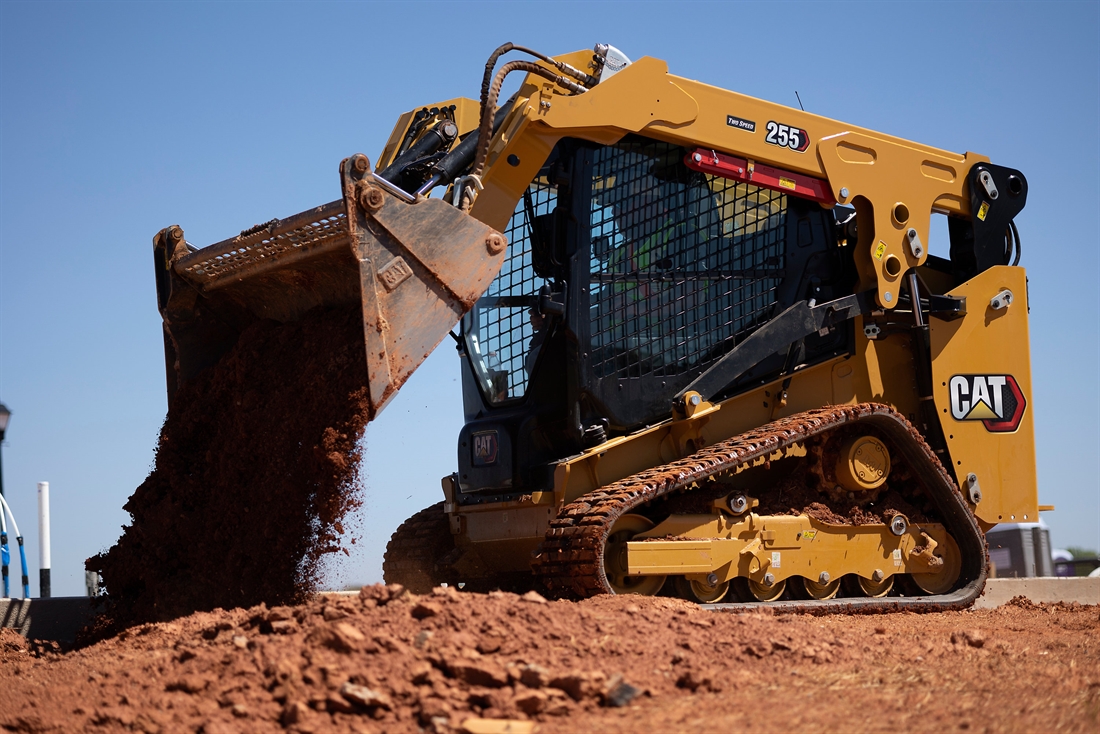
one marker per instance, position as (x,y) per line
(5,559)
(23,561)
(22,551)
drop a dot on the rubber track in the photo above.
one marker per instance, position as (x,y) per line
(570,558)
(415,548)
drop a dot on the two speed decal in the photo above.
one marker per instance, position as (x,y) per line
(786,136)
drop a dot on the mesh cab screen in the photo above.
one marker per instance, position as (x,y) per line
(682,264)
(499,329)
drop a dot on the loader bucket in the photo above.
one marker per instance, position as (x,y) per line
(412,265)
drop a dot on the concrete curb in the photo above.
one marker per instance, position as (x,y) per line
(57,619)
(60,618)
(1045,589)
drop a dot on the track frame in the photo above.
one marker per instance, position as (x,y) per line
(569,561)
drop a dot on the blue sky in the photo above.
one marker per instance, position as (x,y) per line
(118,119)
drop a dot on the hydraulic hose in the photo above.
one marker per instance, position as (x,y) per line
(1012,244)
(1016,236)
(490,102)
(490,65)
(447,169)
(22,550)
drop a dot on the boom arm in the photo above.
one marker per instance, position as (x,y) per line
(894,184)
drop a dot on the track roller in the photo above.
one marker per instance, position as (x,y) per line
(859,586)
(824,588)
(749,590)
(708,591)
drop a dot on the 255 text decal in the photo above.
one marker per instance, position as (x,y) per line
(786,136)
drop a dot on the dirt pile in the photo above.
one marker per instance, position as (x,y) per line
(255,468)
(385,660)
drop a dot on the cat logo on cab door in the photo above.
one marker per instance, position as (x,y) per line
(485,448)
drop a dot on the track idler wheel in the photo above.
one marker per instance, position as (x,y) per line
(624,530)
(943,580)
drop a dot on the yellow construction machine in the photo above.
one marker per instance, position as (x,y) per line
(706,350)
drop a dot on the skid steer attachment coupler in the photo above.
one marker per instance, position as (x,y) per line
(412,265)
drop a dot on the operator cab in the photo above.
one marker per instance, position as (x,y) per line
(629,274)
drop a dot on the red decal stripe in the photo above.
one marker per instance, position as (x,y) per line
(737,169)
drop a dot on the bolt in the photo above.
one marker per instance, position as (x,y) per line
(877,576)
(888,297)
(495,243)
(844,192)
(769,579)
(695,400)
(823,578)
(175,234)
(361,163)
(697,157)
(371,198)
(712,579)
(912,234)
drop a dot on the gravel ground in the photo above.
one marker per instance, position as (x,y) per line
(389,661)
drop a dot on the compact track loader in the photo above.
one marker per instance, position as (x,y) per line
(705,349)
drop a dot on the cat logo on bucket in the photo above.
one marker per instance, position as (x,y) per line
(485,448)
(995,400)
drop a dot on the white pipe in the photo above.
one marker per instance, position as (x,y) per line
(11,515)
(6,554)
(44,525)
(44,590)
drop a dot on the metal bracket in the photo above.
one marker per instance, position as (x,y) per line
(1001,300)
(990,216)
(947,307)
(986,180)
(915,246)
(973,489)
(797,322)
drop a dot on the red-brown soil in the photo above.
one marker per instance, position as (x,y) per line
(387,661)
(256,466)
